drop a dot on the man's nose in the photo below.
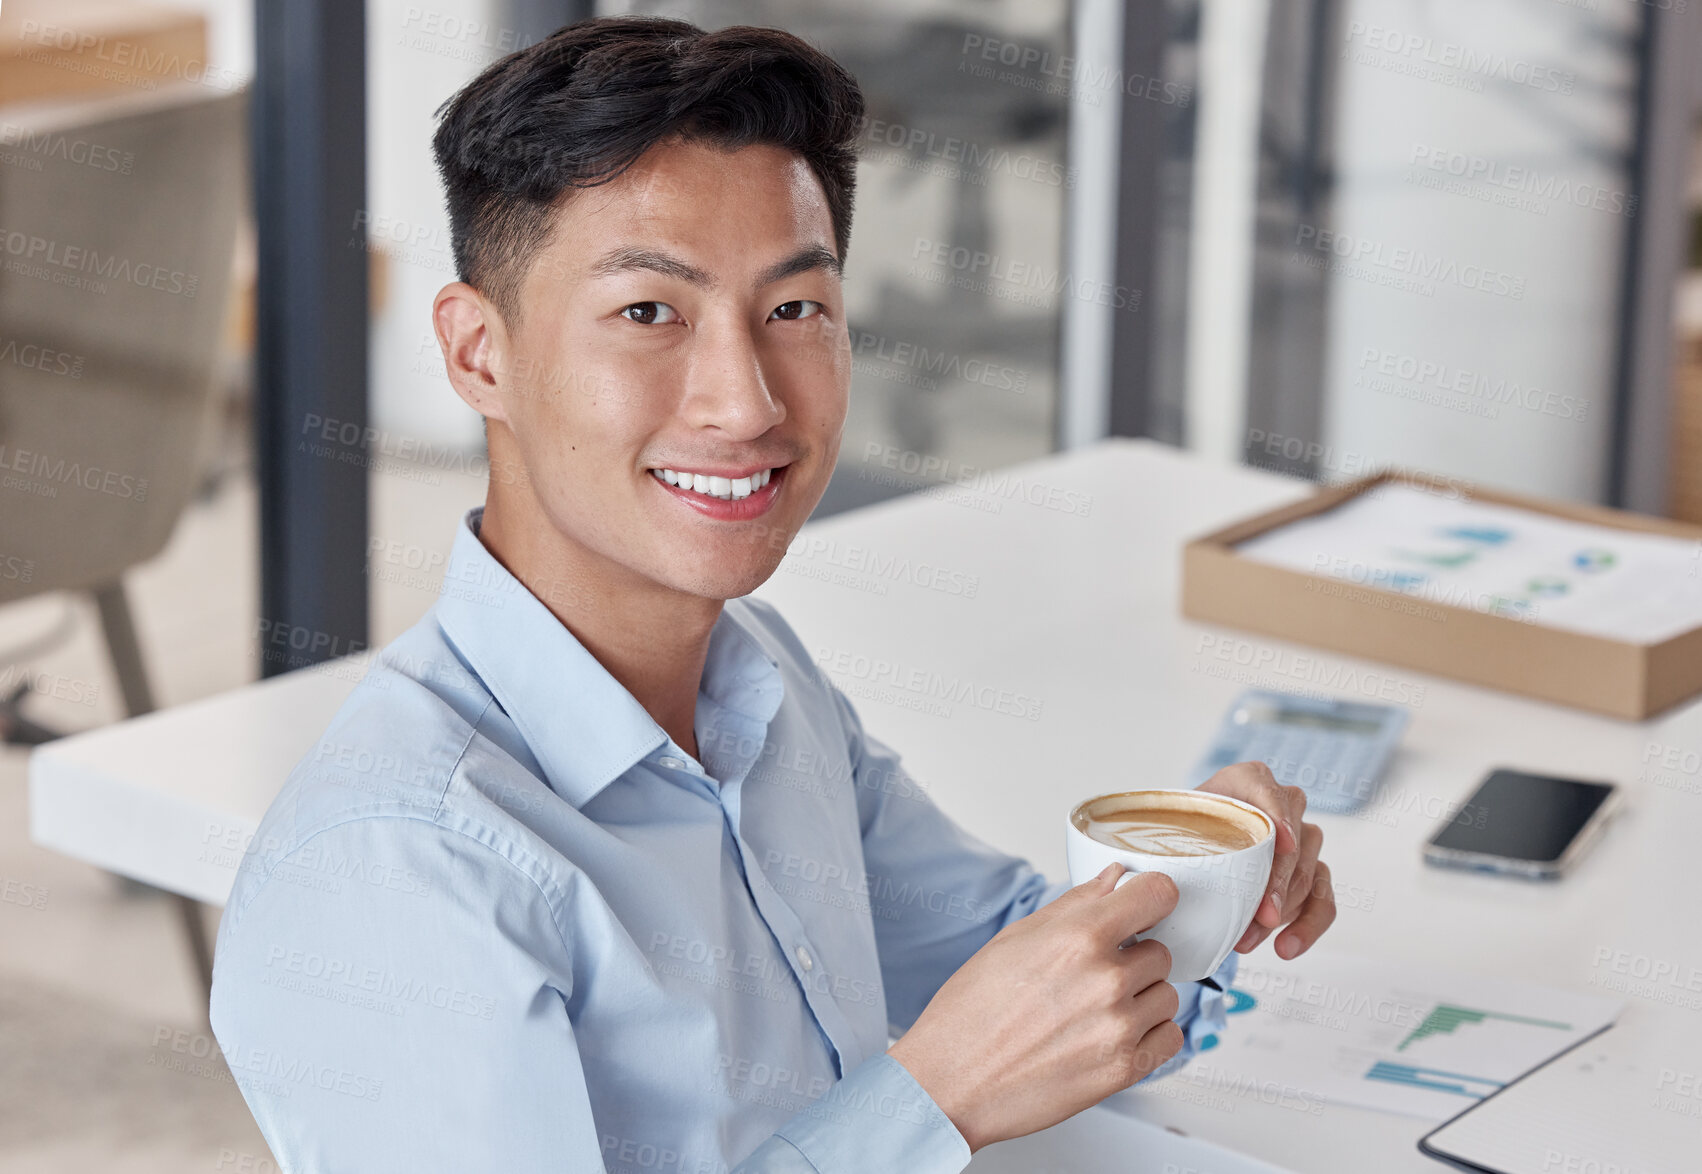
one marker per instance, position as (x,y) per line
(727,387)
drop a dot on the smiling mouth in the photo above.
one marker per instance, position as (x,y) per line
(715,486)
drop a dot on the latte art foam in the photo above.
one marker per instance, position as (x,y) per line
(1168,832)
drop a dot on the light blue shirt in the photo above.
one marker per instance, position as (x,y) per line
(499,920)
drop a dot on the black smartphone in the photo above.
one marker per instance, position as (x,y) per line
(1524,824)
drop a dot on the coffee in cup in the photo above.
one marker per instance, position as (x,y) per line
(1218,850)
(1169,829)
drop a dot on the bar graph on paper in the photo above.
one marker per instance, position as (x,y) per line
(1446,1019)
(1497,1034)
(1424,1041)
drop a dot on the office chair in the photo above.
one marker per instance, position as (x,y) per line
(118,222)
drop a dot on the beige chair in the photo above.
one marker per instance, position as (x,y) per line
(118,222)
(115,262)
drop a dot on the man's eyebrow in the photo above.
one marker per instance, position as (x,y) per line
(805,259)
(629,259)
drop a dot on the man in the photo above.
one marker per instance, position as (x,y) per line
(594,870)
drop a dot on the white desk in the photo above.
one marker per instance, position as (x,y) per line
(1079,613)
(173,797)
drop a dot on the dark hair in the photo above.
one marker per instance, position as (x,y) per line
(578,108)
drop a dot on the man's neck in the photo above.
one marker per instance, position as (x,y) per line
(652,640)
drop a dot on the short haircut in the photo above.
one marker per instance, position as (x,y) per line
(578,108)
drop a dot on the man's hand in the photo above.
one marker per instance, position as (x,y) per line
(1300,895)
(1050,1016)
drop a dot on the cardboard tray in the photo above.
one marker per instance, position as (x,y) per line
(1589,672)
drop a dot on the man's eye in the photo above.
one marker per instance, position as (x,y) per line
(651,313)
(793,311)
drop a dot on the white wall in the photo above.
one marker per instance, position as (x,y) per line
(1220,262)
(1409,95)
(417,56)
(1088,327)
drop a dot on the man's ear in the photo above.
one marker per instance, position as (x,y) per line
(473,338)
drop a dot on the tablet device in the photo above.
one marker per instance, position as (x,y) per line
(1616,1102)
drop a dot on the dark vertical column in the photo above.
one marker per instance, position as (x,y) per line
(1631,293)
(310,418)
(1667,100)
(1140,150)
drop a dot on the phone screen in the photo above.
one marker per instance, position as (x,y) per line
(1523,816)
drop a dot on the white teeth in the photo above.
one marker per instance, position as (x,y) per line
(725,488)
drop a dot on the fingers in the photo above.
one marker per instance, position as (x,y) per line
(1156,1002)
(1253,782)
(1310,899)
(1300,887)
(1101,884)
(1083,894)
(1146,965)
(1151,1051)
(1295,894)
(1270,912)
(1315,917)
(1138,901)
(1255,933)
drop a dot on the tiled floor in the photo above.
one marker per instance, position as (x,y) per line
(105,1060)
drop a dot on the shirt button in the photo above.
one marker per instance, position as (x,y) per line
(672,763)
(805,960)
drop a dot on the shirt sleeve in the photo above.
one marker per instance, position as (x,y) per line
(386,1002)
(876,1118)
(938,894)
(398,1002)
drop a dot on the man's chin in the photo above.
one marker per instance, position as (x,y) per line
(725,582)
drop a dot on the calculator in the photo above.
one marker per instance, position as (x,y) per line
(1333,750)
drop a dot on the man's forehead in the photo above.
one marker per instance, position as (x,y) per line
(683,171)
(683,219)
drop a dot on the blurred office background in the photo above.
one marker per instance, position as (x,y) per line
(1320,236)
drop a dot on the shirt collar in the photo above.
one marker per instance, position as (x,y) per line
(583,725)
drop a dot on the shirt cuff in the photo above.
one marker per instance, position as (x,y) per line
(878,1118)
(1053,891)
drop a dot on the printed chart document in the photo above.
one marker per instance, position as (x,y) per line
(1101,1140)
(1418,1041)
(1576,576)
(1628,1100)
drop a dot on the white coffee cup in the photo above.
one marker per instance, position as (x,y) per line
(1218,892)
